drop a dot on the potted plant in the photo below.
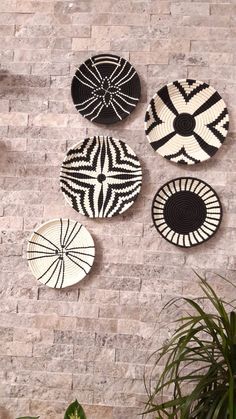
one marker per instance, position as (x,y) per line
(200,363)
(74,411)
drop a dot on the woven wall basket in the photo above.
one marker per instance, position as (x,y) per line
(101,177)
(105,89)
(186,121)
(186,211)
(60,253)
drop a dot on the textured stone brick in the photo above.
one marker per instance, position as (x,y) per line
(66,7)
(65,295)
(7,6)
(4,106)
(33,335)
(6,30)
(27,106)
(203,60)
(120,311)
(14,118)
(223,9)
(181,45)
(184,8)
(53,351)
(84,44)
(75,338)
(11,407)
(16,348)
(117,19)
(6,334)
(9,250)
(90,295)
(33,7)
(91,354)
(62,308)
(49,119)
(160,7)
(13,18)
(164,259)
(119,412)
(223,46)
(11,223)
(90,19)
(24,55)
(118,398)
(122,341)
(23,43)
(99,412)
(104,329)
(49,68)
(132,45)
(154,57)
(45,379)
(53,322)
(17,68)
(207,21)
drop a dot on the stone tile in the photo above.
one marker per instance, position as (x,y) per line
(154,57)
(207,21)
(99,412)
(6,30)
(93,341)
(49,119)
(53,351)
(223,9)
(223,46)
(11,223)
(16,348)
(183,8)
(30,7)
(160,7)
(94,354)
(24,55)
(6,334)
(74,337)
(14,118)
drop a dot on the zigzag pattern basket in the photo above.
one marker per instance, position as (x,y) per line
(186,121)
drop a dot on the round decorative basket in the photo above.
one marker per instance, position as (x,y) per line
(60,253)
(186,121)
(101,177)
(105,89)
(186,211)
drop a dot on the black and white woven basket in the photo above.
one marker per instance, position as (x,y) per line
(101,177)
(105,89)
(186,121)
(186,211)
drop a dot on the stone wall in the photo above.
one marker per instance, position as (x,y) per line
(92,341)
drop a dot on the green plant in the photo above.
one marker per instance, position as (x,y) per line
(200,363)
(74,411)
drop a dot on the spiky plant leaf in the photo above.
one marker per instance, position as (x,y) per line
(200,363)
(75,411)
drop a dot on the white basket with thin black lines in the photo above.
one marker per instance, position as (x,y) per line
(60,253)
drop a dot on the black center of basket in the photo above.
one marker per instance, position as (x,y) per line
(184,212)
(184,124)
(101,177)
